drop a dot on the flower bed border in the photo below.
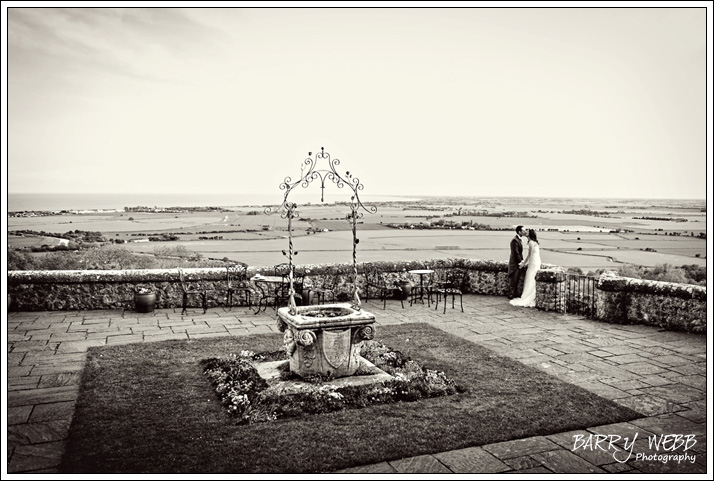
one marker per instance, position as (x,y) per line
(252,399)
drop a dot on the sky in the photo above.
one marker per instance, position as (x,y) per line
(533,102)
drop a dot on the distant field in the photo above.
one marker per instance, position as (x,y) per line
(34,241)
(590,234)
(422,245)
(113,223)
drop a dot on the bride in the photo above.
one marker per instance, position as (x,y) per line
(527,298)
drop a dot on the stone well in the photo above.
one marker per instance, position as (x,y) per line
(325,339)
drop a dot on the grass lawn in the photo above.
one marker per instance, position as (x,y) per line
(148,408)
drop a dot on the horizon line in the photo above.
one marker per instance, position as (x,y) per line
(376,194)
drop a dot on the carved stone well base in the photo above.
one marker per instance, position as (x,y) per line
(270,371)
(325,339)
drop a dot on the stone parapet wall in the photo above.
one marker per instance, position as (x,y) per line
(106,289)
(611,306)
(617,299)
(548,289)
(671,306)
(114,289)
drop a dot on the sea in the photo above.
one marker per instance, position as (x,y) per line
(55,202)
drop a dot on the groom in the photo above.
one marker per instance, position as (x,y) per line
(515,272)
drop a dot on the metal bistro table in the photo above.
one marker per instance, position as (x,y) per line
(268,287)
(420,288)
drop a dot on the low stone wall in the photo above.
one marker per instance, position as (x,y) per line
(549,289)
(617,300)
(114,289)
(621,300)
(680,307)
(105,289)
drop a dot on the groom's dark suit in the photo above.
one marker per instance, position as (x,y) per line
(515,273)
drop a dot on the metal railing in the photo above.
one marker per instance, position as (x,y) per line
(577,294)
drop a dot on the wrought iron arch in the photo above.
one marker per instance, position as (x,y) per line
(288,210)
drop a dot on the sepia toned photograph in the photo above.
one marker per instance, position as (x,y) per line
(356,239)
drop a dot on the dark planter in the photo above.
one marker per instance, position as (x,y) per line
(145,302)
(404,290)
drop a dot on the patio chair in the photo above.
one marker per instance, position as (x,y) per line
(195,288)
(237,282)
(376,280)
(325,289)
(451,285)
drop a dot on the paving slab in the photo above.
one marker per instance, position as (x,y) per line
(536,470)
(18,414)
(521,463)
(22,383)
(695,411)
(38,432)
(604,390)
(662,464)
(472,460)
(19,371)
(60,379)
(565,462)
(266,329)
(199,335)
(57,367)
(676,393)
(62,410)
(36,456)
(520,447)
(582,444)
(79,346)
(68,336)
(624,385)
(238,331)
(44,395)
(55,359)
(649,405)
(15,358)
(617,468)
(690,369)
(124,339)
(671,423)
(378,468)
(643,368)
(29,346)
(419,464)
(167,337)
(655,380)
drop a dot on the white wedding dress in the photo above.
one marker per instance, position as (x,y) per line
(527,298)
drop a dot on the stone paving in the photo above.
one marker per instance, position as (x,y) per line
(660,374)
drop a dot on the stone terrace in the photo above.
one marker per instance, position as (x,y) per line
(660,374)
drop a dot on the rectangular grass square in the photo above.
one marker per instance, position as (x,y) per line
(148,408)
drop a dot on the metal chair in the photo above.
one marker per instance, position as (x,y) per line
(376,280)
(326,288)
(192,289)
(237,279)
(450,285)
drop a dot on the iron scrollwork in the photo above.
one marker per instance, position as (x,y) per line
(288,210)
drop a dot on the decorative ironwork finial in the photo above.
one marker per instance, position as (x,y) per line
(289,209)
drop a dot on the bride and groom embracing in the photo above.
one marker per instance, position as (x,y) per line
(519,267)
